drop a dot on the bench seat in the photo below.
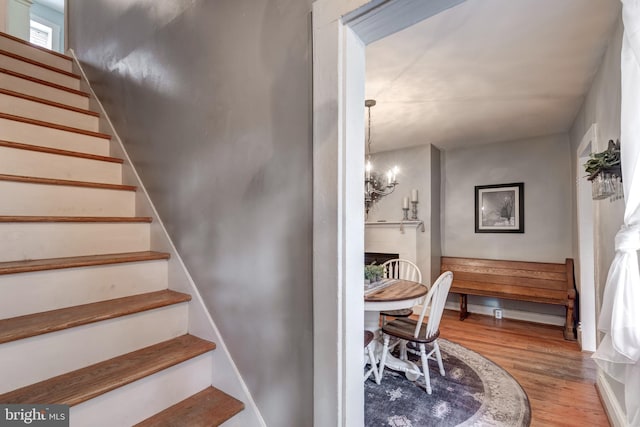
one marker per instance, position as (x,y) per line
(541,282)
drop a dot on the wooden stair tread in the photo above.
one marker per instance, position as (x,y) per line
(208,408)
(83,384)
(52,52)
(30,325)
(47,102)
(50,150)
(7,218)
(26,266)
(38,64)
(55,181)
(43,82)
(54,126)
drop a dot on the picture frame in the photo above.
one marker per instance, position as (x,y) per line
(499,208)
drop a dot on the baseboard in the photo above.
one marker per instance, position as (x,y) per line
(548,319)
(612,407)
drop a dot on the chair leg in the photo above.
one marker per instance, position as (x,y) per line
(383,357)
(403,350)
(436,347)
(374,367)
(425,368)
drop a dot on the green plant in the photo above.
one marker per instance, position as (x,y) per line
(373,272)
(608,160)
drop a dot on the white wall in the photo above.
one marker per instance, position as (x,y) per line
(602,106)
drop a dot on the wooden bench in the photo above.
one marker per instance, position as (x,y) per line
(516,280)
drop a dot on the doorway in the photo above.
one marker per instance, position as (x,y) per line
(341,30)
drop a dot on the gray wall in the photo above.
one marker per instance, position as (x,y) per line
(542,164)
(414,172)
(212,101)
(602,106)
(419,168)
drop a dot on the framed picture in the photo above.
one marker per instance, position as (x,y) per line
(499,208)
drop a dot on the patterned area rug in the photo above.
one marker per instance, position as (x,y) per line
(474,392)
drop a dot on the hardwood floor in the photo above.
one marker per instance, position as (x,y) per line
(558,378)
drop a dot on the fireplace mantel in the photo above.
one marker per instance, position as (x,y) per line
(400,224)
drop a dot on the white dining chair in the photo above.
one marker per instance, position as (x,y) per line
(408,330)
(400,269)
(370,357)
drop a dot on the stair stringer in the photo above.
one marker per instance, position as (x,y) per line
(225,373)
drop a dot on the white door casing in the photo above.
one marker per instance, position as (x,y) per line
(341,30)
(586,242)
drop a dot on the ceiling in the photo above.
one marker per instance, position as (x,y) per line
(486,71)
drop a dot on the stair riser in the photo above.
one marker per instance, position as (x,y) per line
(39,111)
(21,241)
(26,133)
(35,54)
(61,200)
(145,397)
(49,93)
(28,293)
(34,359)
(44,165)
(38,72)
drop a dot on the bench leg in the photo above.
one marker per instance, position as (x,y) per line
(568,323)
(463,307)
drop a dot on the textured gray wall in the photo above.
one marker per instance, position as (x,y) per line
(212,101)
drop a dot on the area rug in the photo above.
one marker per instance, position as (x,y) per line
(474,392)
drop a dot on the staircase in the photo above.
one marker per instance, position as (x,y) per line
(87,318)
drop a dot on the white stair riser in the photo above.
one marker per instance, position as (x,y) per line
(145,397)
(34,359)
(21,241)
(38,72)
(15,161)
(49,93)
(62,200)
(39,111)
(28,293)
(35,54)
(26,133)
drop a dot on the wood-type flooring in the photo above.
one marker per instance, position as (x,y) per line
(558,378)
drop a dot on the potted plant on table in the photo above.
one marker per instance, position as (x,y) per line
(373,273)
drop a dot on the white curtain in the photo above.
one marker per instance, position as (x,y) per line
(619,352)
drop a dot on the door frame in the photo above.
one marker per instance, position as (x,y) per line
(587,242)
(341,31)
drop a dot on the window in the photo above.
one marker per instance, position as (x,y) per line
(41,35)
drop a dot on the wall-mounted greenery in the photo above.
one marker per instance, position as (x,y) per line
(607,161)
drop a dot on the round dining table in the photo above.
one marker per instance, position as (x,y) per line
(393,294)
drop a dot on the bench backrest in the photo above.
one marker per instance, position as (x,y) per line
(532,281)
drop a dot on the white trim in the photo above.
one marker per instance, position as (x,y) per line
(226,375)
(528,316)
(612,407)
(338,205)
(586,266)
